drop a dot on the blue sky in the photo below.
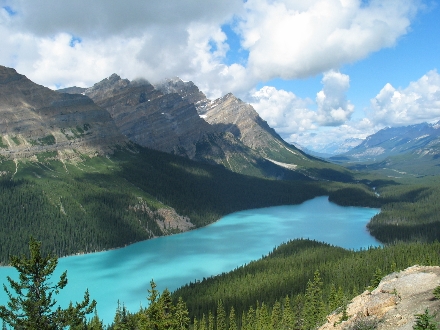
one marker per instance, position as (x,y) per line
(318,71)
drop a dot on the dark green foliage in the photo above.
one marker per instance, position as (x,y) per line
(425,321)
(31,302)
(410,213)
(287,270)
(161,314)
(206,192)
(314,311)
(377,277)
(355,197)
(436,292)
(98,203)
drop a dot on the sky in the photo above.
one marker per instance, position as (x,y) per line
(319,72)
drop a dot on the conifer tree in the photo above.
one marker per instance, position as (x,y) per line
(154,311)
(95,323)
(202,324)
(210,321)
(166,311)
(276,315)
(221,316)
(232,319)
(181,315)
(313,311)
(31,306)
(288,319)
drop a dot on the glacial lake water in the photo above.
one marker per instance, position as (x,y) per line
(125,274)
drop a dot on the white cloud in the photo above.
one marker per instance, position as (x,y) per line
(149,39)
(283,110)
(289,114)
(333,107)
(157,39)
(419,102)
(293,39)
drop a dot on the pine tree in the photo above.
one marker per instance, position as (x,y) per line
(95,323)
(276,315)
(377,277)
(232,319)
(210,321)
(221,316)
(32,304)
(154,312)
(166,315)
(313,311)
(181,315)
(251,319)
(202,324)
(288,319)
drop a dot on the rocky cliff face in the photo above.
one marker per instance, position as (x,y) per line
(148,117)
(34,118)
(170,122)
(229,114)
(187,90)
(393,304)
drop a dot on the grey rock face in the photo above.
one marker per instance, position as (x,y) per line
(148,117)
(187,90)
(34,118)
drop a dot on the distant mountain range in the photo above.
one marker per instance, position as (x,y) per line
(332,148)
(414,149)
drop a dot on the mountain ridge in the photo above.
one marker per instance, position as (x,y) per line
(35,119)
(412,149)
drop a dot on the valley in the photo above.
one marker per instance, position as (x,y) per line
(127,161)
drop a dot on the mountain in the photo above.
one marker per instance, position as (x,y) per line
(170,123)
(239,121)
(36,119)
(333,148)
(149,118)
(414,149)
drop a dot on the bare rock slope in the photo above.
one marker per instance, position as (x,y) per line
(35,119)
(394,303)
(148,117)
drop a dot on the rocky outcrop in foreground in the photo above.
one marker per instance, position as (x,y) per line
(394,303)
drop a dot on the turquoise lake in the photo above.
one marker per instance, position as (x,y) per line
(124,274)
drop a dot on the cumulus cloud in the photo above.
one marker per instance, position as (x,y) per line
(107,18)
(157,39)
(293,39)
(333,107)
(418,102)
(294,118)
(283,110)
(334,139)
(81,42)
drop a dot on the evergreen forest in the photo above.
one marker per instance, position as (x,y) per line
(96,203)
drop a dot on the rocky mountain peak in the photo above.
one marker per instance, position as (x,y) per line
(8,74)
(149,117)
(186,89)
(34,119)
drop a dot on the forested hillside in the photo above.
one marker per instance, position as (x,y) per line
(296,285)
(94,203)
